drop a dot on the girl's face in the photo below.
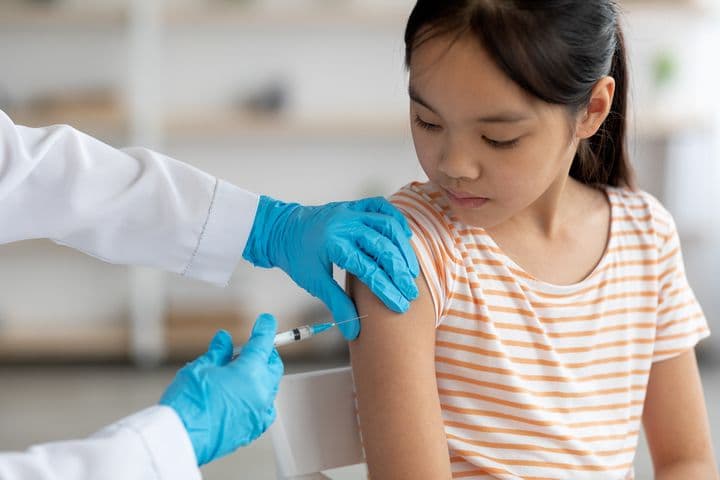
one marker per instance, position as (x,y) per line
(492,148)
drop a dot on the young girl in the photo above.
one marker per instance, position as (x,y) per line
(554,312)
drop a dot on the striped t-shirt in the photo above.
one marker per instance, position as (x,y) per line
(547,381)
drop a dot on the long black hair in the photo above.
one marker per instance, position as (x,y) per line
(556,50)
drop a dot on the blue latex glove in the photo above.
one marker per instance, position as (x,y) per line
(227,404)
(367,238)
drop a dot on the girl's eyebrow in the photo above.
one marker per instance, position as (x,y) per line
(502,117)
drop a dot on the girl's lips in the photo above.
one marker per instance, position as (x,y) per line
(465,200)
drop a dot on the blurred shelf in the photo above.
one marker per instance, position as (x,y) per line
(253,16)
(215,125)
(14,14)
(662,124)
(189,330)
(100,121)
(680,6)
(65,343)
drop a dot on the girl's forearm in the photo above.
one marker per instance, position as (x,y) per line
(696,469)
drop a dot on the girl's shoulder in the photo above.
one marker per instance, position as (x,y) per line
(641,210)
(424,203)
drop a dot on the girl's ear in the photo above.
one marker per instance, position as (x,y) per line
(592,117)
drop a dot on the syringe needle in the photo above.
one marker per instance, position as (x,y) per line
(348,320)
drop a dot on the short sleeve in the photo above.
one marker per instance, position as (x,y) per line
(432,242)
(681,323)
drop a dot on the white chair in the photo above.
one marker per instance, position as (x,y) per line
(316,427)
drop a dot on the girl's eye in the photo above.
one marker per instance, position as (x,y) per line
(498,144)
(427,126)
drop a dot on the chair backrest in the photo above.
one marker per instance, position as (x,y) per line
(316,427)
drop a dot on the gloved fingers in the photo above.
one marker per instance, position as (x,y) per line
(341,307)
(219,350)
(260,344)
(270,416)
(275,364)
(389,228)
(381,205)
(355,261)
(390,260)
(221,347)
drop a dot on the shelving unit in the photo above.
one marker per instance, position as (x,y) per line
(263,127)
(15,14)
(102,122)
(259,17)
(81,344)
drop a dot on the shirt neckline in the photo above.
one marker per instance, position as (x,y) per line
(545,285)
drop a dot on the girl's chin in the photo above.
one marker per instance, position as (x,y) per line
(473,218)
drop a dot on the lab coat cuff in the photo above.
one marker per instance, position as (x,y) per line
(223,239)
(167,442)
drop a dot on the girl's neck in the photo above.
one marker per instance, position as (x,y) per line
(561,207)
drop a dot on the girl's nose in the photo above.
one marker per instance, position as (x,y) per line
(459,163)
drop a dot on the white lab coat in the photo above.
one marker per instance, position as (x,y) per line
(131,206)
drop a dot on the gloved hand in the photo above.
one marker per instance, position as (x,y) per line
(368,238)
(227,404)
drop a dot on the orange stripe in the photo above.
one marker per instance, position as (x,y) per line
(590,288)
(667,257)
(541,346)
(698,330)
(539,448)
(483,248)
(511,280)
(439,272)
(521,311)
(640,206)
(485,471)
(597,301)
(664,294)
(540,434)
(597,316)
(483,261)
(540,423)
(612,265)
(632,248)
(522,296)
(533,463)
(539,361)
(604,283)
(521,273)
(673,308)
(413,210)
(542,331)
(630,218)
(666,273)
(432,211)
(660,353)
(555,393)
(664,326)
(434,294)
(548,320)
(600,346)
(533,407)
(550,378)
(473,231)
(494,471)
(587,333)
(636,232)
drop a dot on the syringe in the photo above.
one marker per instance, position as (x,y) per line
(299,334)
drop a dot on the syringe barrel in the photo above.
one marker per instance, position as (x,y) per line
(292,336)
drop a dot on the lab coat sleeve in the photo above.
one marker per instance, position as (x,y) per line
(132,206)
(149,445)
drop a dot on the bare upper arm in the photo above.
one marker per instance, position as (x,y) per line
(394,370)
(674,415)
